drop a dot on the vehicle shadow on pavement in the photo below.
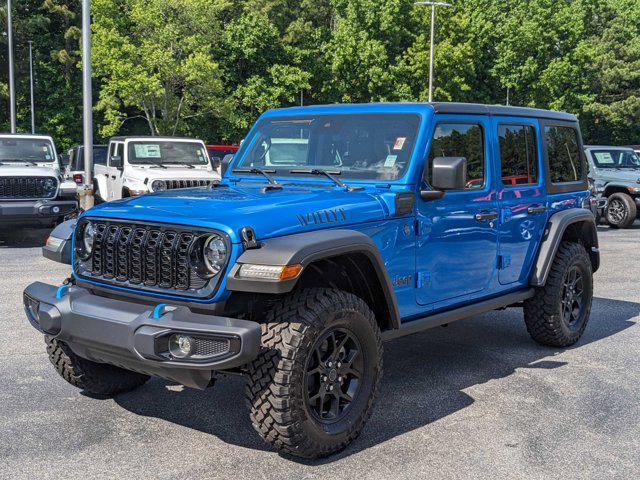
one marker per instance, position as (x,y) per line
(425,376)
(23,237)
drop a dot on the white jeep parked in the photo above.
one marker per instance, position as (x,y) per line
(32,189)
(138,165)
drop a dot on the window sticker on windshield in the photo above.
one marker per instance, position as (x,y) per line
(200,155)
(604,157)
(390,161)
(147,150)
(47,156)
(399,143)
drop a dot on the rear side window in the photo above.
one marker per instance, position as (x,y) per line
(460,140)
(518,155)
(565,164)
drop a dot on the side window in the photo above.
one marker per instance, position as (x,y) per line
(518,155)
(565,164)
(460,140)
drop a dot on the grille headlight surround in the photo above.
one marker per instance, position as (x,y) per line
(158,186)
(85,237)
(215,253)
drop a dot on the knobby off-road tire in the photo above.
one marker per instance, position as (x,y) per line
(558,312)
(311,335)
(97,378)
(621,211)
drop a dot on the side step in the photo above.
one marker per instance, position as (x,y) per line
(437,319)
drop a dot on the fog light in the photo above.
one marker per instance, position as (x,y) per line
(55,209)
(181,346)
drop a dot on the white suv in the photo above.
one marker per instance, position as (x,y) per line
(138,165)
(32,190)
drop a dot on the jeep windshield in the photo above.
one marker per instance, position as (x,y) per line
(26,150)
(365,147)
(616,158)
(166,153)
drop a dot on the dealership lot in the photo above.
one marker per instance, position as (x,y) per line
(476,399)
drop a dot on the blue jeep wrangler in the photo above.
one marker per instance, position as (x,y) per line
(333,229)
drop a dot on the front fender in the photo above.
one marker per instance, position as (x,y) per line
(304,249)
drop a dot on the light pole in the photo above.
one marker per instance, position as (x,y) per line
(86,191)
(433,6)
(33,108)
(12,88)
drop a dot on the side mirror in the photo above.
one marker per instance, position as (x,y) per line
(448,173)
(226,161)
(116,161)
(216,162)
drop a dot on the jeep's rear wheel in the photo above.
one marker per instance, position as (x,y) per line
(313,387)
(621,211)
(97,378)
(558,312)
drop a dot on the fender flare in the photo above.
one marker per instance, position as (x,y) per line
(304,249)
(552,237)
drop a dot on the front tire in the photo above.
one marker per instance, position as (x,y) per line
(558,312)
(313,387)
(621,211)
(96,378)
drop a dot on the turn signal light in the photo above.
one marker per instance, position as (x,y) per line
(269,272)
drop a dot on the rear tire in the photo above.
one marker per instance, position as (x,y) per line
(558,312)
(621,211)
(97,378)
(313,387)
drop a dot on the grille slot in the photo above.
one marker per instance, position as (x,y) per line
(148,257)
(18,188)
(173,184)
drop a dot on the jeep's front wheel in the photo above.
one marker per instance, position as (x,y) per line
(313,387)
(621,211)
(97,378)
(559,311)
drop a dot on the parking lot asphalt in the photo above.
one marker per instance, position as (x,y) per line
(477,399)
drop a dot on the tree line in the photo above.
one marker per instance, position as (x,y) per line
(208,68)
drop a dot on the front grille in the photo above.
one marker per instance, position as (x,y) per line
(144,256)
(18,188)
(173,184)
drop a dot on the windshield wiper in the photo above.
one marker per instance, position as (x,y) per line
(327,173)
(158,165)
(273,183)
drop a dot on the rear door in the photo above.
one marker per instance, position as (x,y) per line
(114,174)
(521,194)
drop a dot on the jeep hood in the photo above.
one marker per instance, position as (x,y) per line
(271,213)
(19,169)
(149,174)
(626,175)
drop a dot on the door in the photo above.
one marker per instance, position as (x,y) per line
(114,173)
(521,194)
(457,242)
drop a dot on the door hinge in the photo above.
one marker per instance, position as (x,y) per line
(423,279)
(504,261)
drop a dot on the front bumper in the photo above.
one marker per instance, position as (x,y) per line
(35,212)
(134,336)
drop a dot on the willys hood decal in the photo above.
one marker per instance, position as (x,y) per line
(271,213)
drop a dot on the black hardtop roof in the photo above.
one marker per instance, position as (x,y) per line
(501,110)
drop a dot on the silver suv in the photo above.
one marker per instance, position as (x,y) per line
(32,190)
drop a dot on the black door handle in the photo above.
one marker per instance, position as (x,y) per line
(535,210)
(483,217)
(113,177)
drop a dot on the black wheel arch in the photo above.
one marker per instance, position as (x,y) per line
(319,252)
(573,225)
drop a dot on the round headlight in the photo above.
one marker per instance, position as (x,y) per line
(158,186)
(215,253)
(49,185)
(88,236)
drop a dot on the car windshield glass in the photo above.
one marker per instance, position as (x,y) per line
(167,152)
(99,157)
(26,149)
(616,159)
(354,146)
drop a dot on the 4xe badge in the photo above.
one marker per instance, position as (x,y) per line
(402,280)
